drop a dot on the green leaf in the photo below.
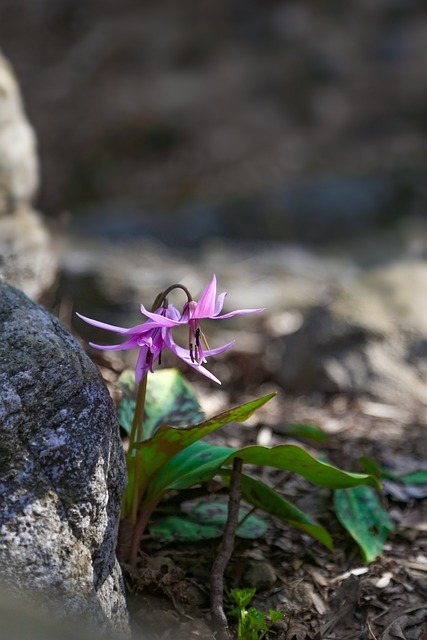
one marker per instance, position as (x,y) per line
(415,477)
(263,497)
(242,597)
(170,400)
(361,513)
(200,462)
(169,441)
(255,623)
(275,616)
(307,431)
(370,466)
(207,520)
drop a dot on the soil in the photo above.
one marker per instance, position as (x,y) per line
(323,594)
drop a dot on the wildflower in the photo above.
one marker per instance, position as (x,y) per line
(151,338)
(209,306)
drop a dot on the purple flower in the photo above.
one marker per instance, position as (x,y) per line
(151,338)
(209,306)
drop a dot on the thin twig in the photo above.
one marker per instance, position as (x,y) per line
(371,632)
(224,553)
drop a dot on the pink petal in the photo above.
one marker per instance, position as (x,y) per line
(219,303)
(159,320)
(214,352)
(237,313)
(206,306)
(141,368)
(184,355)
(201,369)
(103,325)
(128,344)
(149,325)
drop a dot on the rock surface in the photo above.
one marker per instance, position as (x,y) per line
(26,256)
(63,469)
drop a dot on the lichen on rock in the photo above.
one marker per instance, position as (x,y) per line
(62,469)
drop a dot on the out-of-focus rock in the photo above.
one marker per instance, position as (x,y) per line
(27,259)
(19,173)
(260,575)
(369,339)
(62,470)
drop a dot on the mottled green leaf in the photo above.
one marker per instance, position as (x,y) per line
(170,400)
(260,495)
(168,441)
(205,521)
(361,513)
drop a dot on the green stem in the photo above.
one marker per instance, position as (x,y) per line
(161,298)
(137,435)
(138,531)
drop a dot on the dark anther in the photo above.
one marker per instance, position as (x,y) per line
(197,334)
(160,358)
(191,353)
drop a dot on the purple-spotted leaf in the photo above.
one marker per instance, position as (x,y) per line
(205,521)
(361,513)
(260,495)
(170,400)
(169,441)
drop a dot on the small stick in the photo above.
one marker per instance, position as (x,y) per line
(224,553)
(371,632)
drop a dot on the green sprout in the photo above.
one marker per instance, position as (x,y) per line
(251,623)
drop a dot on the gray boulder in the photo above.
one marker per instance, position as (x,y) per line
(62,469)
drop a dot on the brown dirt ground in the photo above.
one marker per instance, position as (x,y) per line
(324,595)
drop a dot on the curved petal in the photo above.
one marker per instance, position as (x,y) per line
(206,305)
(128,344)
(102,325)
(219,303)
(214,352)
(184,355)
(149,325)
(201,369)
(159,320)
(141,368)
(238,312)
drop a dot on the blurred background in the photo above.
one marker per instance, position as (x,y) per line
(300,121)
(280,144)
